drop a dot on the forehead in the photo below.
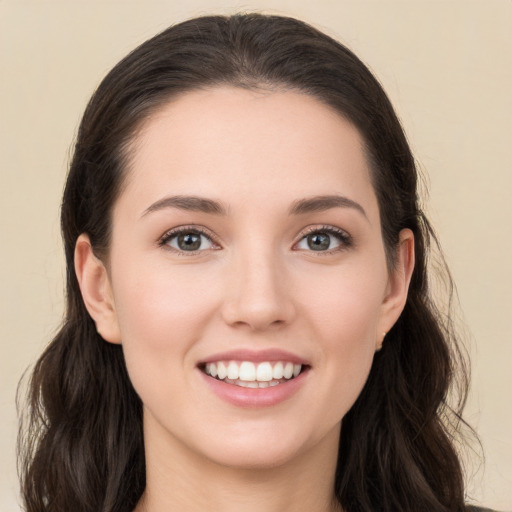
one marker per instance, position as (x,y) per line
(248,144)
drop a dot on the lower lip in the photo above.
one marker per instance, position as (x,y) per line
(255,397)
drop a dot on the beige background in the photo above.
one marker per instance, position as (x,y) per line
(447,66)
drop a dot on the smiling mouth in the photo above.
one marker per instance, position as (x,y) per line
(253,375)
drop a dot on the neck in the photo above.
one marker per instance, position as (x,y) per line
(178,479)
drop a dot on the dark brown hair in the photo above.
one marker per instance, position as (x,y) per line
(81,447)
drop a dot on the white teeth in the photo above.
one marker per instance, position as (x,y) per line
(222,371)
(254,384)
(264,372)
(232,370)
(211,369)
(277,371)
(253,375)
(247,371)
(288,371)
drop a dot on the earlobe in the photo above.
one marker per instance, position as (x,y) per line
(398,285)
(96,290)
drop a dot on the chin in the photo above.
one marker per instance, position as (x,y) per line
(255,458)
(265,449)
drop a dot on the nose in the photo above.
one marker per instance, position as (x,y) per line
(258,292)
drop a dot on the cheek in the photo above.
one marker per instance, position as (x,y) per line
(344,311)
(161,314)
(345,305)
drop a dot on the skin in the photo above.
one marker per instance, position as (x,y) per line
(257,284)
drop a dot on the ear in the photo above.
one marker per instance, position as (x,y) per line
(398,285)
(96,290)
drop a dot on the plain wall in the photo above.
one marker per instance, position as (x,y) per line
(447,66)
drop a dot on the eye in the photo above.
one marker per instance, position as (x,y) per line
(325,239)
(188,240)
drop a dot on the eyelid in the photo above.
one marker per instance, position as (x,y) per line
(345,239)
(188,228)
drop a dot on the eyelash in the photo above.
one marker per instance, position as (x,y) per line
(342,236)
(346,241)
(169,235)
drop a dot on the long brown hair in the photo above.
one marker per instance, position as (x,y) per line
(81,446)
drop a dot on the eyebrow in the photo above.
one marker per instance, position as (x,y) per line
(299,207)
(191,203)
(323,203)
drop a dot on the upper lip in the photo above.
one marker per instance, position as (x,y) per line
(256,356)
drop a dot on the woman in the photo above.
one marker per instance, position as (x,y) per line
(248,320)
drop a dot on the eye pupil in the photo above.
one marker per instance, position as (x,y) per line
(189,241)
(318,241)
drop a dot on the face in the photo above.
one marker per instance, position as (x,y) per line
(247,276)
